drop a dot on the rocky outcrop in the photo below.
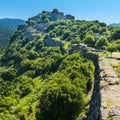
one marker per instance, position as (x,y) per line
(38,24)
(46,17)
(52,42)
(41,27)
(28,36)
(57,16)
(70,17)
(60,16)
(22,27)
(77,46)
(28,33)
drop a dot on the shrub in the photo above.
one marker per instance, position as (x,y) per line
(8,74)
(60,100)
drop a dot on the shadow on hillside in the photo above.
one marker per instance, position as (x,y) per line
(94,112)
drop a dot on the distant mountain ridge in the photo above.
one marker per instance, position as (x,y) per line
(11,23)
(115,24)
(7,27)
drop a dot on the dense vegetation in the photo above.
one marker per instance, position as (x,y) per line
(39,79)
(7,28)
(49,83)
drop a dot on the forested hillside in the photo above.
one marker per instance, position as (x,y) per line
(7,28)
(40,79)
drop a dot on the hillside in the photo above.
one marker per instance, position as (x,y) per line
(46,73)
(7,28)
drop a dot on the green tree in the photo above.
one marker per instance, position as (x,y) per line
(89,40)
(102,41)
(76,40)
(116,34)
(60,100)
(8,74)
(117,42)
(32,55)
(55,10)
(112,48)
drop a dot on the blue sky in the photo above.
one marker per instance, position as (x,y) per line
(104,10)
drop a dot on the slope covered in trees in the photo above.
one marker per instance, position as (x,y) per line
(39,79)
(7,28)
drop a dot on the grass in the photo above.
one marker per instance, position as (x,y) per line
(56,38)
(115,65)
(108,103)
(107,54)
(66,44)
(110,118)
